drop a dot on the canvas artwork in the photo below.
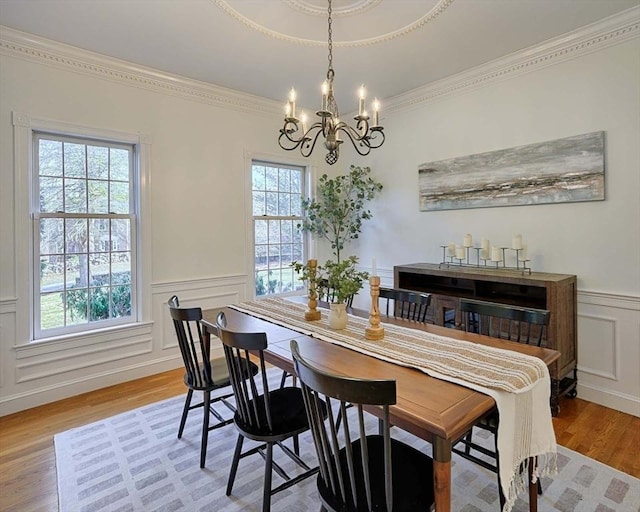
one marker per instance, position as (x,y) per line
(556,171)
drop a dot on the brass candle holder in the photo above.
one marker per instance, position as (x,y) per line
(375,331)
(312,313)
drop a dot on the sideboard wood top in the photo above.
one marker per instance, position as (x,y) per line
(482,273)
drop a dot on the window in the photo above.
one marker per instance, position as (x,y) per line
(84,222)
(276,198)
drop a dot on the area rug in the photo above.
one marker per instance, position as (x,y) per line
(133,462)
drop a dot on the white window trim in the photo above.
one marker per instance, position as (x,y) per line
(24,125)
(310,178)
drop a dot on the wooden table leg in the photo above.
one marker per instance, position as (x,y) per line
(533,488)
(442,474)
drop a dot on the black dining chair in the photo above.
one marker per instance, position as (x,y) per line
(514,323)
(201,373)
(407,304)
(360,472)
(269,417)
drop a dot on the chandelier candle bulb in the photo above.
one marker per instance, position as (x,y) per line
(376,110)
(303,120)
(292,102)
(468,240)
(361,95)
(325,92)
(516,242)
(374,267)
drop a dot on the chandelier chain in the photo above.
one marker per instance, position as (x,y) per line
(330,44)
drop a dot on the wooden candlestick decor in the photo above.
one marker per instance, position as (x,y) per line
(375,331)
(312,313)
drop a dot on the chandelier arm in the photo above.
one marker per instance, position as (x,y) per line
(373,138)
(310,140)
(357,141)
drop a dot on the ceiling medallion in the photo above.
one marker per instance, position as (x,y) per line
(364,137)
(433,13)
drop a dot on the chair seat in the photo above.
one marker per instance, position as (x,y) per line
(220,373)
(412,477)
(288,414)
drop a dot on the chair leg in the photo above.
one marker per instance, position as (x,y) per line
(205,428)
(284,378)
(234,464)
(268,473)
(185,412)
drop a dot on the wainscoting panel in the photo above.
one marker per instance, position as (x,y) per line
(609,350)
(33,374)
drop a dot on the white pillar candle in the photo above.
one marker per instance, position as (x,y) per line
(460,252)
(485,243)
(484,254)
(522,254)
(452,249)
(516,242)
(496,254)
(374,267)
(468,240)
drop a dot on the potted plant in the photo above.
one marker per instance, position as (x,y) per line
(336,215)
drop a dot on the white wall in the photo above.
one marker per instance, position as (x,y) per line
(199,237)
(597,241)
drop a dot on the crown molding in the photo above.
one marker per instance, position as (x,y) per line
(597,36)
(14,43)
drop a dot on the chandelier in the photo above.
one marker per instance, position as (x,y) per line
(296,134)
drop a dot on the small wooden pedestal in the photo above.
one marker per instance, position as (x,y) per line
(374,331)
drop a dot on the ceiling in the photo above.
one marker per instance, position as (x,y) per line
(263,47)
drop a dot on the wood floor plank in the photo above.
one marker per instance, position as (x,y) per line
(27,459)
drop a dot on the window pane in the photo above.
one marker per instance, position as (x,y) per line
(261,257)
(76,235)
(75,196)
(297,254)
(286,231)
(258,177)
(261,232)
(286,254)
(74,160)
(296,181)
(98,235)
(296,205)
(119,164)
(98,196)
(271,178)
(51,195)
(283,205)
(274,256)
(51,273)
(272,203)
(258,204)
(50,158)
(99,305)
(99,269)
(274,231)
(51,311)
(121,300)
(119,197)
(98,162)
(121,267)
(120,235)
(76,306)
(76,271)
(287,280)
(51,236)
(284,176)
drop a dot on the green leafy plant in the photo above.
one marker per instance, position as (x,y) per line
(340,207)
(337,280)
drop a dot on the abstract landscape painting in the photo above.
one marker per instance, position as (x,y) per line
(557,171)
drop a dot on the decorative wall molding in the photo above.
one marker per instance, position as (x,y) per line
(609,299)
(595,37)
(14,43)
(613,30)
(608,345)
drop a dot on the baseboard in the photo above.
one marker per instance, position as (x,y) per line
(43,395)
(618,401)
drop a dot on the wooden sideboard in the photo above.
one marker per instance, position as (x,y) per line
(554,292)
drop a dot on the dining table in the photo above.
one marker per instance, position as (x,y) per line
(437,411)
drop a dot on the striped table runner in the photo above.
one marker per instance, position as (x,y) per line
(519,384)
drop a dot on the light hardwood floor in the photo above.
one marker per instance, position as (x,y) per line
(27,460)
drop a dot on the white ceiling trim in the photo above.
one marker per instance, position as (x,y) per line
(437,9)
(613,30)
(15,43)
